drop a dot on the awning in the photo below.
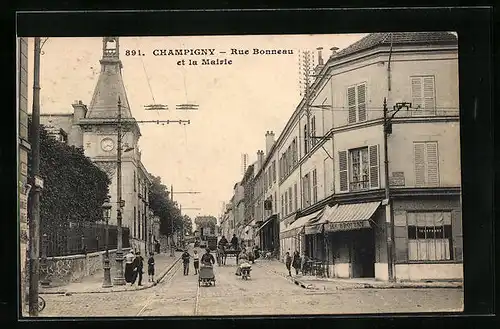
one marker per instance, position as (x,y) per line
(350,216)
(297,226)
(315,226)
(265,223)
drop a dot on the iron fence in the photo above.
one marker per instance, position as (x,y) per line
(81,238)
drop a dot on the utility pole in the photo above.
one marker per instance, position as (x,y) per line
(388,202)
(171,218)
(119,280)
(34,221)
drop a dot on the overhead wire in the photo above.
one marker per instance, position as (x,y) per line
(147,77)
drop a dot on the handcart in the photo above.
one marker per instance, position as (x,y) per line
(206,276)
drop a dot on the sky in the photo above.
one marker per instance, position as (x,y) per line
(237,103)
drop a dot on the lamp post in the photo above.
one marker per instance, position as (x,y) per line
(106,211)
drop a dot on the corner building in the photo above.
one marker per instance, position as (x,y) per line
(331,154)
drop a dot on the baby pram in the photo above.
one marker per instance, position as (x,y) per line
(206,275)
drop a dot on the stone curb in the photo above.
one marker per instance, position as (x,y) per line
(357,286)
(146,286)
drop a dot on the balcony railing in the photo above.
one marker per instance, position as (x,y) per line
(359,185)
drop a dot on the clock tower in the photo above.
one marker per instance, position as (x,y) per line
(100,135)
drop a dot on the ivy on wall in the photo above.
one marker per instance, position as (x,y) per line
(74,187)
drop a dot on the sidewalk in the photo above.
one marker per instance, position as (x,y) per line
(93,284)
(312,282)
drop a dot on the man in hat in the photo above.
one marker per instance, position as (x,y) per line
(185,260)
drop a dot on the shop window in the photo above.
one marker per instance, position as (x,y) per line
(359,173)
(429,236)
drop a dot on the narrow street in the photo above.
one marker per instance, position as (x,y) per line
(264,294)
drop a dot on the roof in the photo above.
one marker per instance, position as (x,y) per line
(108,90)
(398,38)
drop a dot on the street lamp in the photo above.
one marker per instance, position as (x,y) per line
(106,211)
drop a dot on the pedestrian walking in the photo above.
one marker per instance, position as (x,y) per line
(138,266)
(129,266)
(288,263)
(296,262)
(196,262)
(185,260)
(151,267)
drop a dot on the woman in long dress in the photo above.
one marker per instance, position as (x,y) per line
(129,267)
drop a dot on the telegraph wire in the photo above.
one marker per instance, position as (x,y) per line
(147,77)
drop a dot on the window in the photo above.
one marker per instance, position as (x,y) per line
(135,181)
(294,151)
(306,191)
(423,95)
(356,103)
(429,236)
(139,224)
(275,203)
(265,180)
(306,140)
(274,172)
(135,222)
(290,199)
(296,197)
(286,203)
(426,163)
(282,205)
(359,169)
(313,131)
(270,178)
(315,186)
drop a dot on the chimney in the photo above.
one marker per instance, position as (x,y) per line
(269,141)
(260,158)
(320,56)
(79,110)
(334,51)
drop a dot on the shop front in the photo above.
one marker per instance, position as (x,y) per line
(350,230)
(268,234)
(294,237)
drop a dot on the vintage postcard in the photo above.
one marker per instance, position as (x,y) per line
(240,175)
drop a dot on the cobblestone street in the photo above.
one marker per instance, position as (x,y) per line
(264,294)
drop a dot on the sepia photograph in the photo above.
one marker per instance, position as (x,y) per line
(239,175)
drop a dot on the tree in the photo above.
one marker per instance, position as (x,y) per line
(188,225)
(163,207)
(74,187)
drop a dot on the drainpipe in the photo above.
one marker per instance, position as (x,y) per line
(389,66)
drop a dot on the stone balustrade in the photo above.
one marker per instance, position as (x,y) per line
(65,269)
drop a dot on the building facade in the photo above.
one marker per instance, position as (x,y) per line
(94,128)
(333,205)
(24,149)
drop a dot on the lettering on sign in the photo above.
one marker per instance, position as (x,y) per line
(397,178)
(347,226)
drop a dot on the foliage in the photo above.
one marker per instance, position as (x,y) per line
(164,207)
(206,221)
(188,225)
(74,187)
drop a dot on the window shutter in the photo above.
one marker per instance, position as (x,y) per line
(351,104)
(343,170)
(428,95)
(456,226)
(432,164)
(362,102)
(374,167)
(416,92)
(419,160)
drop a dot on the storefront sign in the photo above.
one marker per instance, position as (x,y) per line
(346,226)
(397,178)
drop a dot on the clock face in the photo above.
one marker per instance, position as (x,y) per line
(107,144)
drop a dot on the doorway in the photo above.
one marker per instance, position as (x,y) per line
(363,254)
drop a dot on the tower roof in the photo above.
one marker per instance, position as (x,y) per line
(109,87)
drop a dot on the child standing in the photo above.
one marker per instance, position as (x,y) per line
(151,267)
(196,262)
(288,263)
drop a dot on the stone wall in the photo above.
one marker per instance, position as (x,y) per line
(66,269)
